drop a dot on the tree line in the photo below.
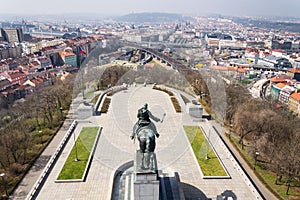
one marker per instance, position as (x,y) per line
(262,128)
(27,127)
(275,134)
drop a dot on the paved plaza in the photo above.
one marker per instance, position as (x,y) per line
(174,153)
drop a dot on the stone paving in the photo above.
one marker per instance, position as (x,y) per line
(174,153)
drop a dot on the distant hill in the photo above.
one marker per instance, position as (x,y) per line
(70,17)
(292,26)
(152,17)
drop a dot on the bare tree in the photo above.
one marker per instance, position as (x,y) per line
(236,96)
(291,157)
(250,118)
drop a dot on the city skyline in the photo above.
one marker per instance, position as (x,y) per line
(288,8)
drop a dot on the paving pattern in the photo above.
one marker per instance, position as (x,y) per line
(174,153)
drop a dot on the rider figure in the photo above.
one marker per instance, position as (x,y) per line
(144,116)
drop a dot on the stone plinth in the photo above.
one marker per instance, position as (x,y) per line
(146,183)
(194,110)
(85,110)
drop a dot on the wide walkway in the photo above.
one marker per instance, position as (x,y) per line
(174,154)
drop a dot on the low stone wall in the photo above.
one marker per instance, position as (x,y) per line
(41,180)
(101,97)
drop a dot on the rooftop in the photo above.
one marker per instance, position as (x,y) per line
(294,70)
(296,96)
(223,68)
(280,85)
(288,89)
(67,53)
(279,79)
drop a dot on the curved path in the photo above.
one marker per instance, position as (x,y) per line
(173,152)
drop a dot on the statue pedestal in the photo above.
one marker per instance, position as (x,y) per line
(146,183)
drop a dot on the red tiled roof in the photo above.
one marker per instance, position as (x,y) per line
(223,68)
(294,70)
(278,80)
(280,85)
(16,75)
(21,87)
(243,65)
(67,53)
(43,59)
(49,48)
(3,63)
(40,80)
(296,96)
(34,63)
(278,50)
(241,70)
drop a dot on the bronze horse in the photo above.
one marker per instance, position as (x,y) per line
(146,138)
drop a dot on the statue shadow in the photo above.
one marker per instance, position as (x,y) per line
(227,195)
(193,193)
(208,117)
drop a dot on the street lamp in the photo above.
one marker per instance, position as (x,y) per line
(255,158)
(202,95)
(41,135)
(230,128)
(4,183)
(208,144)
(82,84)
(76,155)
(61,113)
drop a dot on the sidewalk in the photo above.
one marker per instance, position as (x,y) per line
(248,170)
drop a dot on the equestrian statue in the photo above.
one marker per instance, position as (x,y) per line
(145,131)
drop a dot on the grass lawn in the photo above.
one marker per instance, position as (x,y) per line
(210,166)
(87,94)
(84,144)
(95,99)
(269,177)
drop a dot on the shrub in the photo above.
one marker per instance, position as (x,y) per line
(105,105)
(176,104)
(94,101)
(16,169)
(173,99)
(115,91)
(163,90)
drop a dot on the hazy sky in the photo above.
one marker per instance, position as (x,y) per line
(228,7)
